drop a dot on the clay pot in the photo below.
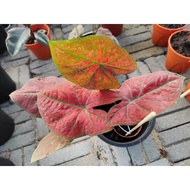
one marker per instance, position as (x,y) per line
(115,29)
(41,51)
(176,62)
(160,34)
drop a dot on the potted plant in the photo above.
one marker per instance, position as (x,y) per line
(74,106)
(35,37)
(162,32)
(178,54)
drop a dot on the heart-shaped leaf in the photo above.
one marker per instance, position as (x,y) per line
(144,94)
(16,38)
(91,61)
(41,37)
(49,144)
(67,109)
(26,97)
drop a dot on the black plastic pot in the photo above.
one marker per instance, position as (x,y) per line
(7,85)
(3,36)
(7,127)
(5,162)
(114,139)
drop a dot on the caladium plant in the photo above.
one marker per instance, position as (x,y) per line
(73,106)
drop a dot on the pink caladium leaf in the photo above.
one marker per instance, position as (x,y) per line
(144,94)
(68,109)
(26,97)
(49,144)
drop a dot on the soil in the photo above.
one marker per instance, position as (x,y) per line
(172,26)
(181,43)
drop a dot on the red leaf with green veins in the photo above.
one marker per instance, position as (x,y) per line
(144,94)
(91,61)
(68,109)
(26,97)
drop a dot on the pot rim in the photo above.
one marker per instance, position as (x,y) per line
(171,29)
(169,44)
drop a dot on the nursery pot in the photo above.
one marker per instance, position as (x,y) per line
(115,29)
(41,51)
(117,137)
(3,35)
(176,62)
(160,34)
(7,127)
(7,85)
(6,162)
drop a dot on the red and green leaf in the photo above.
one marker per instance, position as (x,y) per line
(144,94)
(68,109)
(26,97)
(92,61)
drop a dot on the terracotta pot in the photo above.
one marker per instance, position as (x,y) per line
(141,134)
(41,51)
(160,34)
(115,29)
(176,62)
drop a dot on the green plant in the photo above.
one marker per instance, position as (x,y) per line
(71,106)
(17,37)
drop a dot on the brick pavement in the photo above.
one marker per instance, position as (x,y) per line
(167,145)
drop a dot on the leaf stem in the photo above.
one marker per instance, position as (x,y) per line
(147,118)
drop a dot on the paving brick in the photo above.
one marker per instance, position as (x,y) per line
(130,26)
(23,61)
(42,130)
(135,39)
(151,149)
(121,156)
(137,155)
(142,68)
(24,75)
(39,63)
(139,46)
(172,120)
(175,135)
(102,150)
(22,116)
(16,157)
(161,162)
(23,53)
(18,141)
(11,109)
(87,160)
(179,151)
(183,163)
(43,69)
(141,55)
(133,31)
(58,33)
(28,151)
(156,63)
(121,78)
(50,73)
(68,153)
(24,128)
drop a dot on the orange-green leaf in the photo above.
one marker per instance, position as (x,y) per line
(92,61)
(49,144)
